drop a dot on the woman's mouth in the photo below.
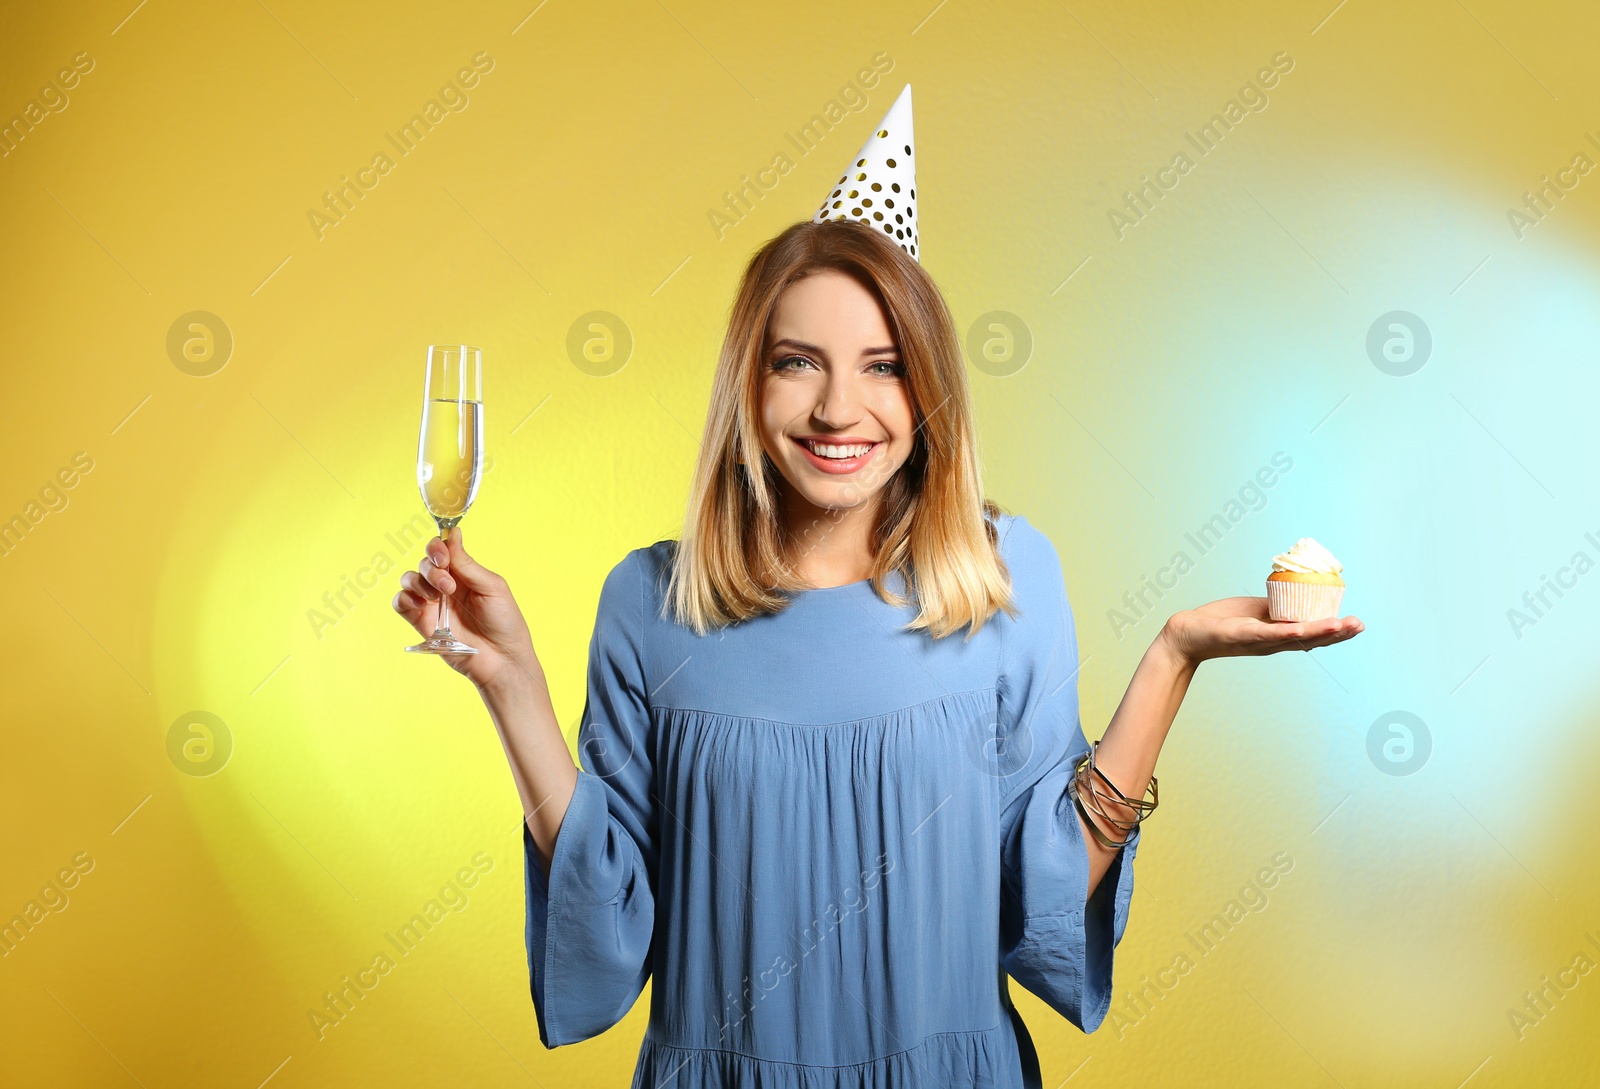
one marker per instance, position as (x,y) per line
(837,458)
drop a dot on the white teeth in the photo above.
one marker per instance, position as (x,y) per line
(839,452)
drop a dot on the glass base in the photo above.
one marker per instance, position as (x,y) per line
(442,642)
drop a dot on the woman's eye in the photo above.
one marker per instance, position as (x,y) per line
(884,367)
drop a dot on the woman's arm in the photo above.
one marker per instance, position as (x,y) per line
(545,775)
(590,920)
(1132,742)
(506,672)
(1128,750)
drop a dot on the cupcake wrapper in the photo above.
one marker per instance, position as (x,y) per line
(1302,600)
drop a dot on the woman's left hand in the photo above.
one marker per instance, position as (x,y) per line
(1239,625)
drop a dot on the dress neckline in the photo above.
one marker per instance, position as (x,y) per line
(861,586)
(841,586)
(842,590)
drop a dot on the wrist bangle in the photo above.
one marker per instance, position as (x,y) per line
(1105,841)
(1087,796)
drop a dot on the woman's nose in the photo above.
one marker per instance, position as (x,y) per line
(839,405)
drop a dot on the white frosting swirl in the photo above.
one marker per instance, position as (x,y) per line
(1307,557)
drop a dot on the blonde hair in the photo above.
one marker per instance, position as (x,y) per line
(934,526)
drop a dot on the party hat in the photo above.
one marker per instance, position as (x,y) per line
(879,187)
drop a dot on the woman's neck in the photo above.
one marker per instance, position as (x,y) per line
(829,547)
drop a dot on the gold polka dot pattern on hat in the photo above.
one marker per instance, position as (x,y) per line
(886,163)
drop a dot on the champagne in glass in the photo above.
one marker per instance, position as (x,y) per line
(450,457)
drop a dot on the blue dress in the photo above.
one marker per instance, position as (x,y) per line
(826,841)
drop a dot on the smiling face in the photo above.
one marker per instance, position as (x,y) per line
(836,415)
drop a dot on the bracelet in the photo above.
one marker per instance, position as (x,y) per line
(1105,841)
(1087,796)
(1142,807)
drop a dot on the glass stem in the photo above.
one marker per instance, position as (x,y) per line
(443,625)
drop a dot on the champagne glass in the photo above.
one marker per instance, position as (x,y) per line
(450,457)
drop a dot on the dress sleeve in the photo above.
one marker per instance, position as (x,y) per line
(1051,941)
(591,922)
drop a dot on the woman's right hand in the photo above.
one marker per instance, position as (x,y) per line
(483,613)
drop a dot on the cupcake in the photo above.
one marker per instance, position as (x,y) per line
(1305,583)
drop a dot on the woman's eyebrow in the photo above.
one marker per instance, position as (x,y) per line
(803,346)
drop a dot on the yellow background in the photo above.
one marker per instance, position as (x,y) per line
(1167,366)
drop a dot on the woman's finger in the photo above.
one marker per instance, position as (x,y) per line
(437,577)
(1301,629)
(1274,636)
(1323,635)
(418,585)
(1321,641)
(1289,642)
(436,551)
(413,610)
(416,612)
(433,558)
(474,575)
(408,604)
(1305,629)
(1246,635)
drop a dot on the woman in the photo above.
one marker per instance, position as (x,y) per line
(826,827)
